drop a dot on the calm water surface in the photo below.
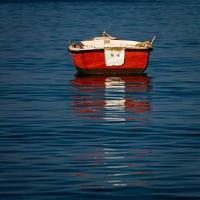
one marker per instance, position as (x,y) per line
(64,136)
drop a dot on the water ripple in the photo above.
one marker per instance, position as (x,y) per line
(66,136)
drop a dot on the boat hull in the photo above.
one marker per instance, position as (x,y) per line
(93,62)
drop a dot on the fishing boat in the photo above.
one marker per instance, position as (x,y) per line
(110,55)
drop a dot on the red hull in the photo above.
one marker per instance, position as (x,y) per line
(93,62)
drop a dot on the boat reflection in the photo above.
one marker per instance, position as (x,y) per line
(110,167)
(110,162)
(112,98)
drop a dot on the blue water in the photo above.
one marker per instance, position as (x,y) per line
(63,136)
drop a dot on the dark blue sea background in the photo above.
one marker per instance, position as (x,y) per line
(64,136)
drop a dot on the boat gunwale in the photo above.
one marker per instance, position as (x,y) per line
(78,51)
(129,45)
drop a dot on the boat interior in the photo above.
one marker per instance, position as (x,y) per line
(107,41)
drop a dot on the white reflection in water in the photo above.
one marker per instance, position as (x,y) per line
(114,99)
(118,164)
(111,167)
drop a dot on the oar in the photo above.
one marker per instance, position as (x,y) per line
(154,37)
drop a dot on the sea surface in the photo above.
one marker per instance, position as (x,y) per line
(65,136)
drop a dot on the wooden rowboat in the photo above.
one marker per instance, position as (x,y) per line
(110,55)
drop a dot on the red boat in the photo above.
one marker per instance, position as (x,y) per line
(110,55)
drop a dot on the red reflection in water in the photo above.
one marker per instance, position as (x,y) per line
(112,95)
(134,83)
